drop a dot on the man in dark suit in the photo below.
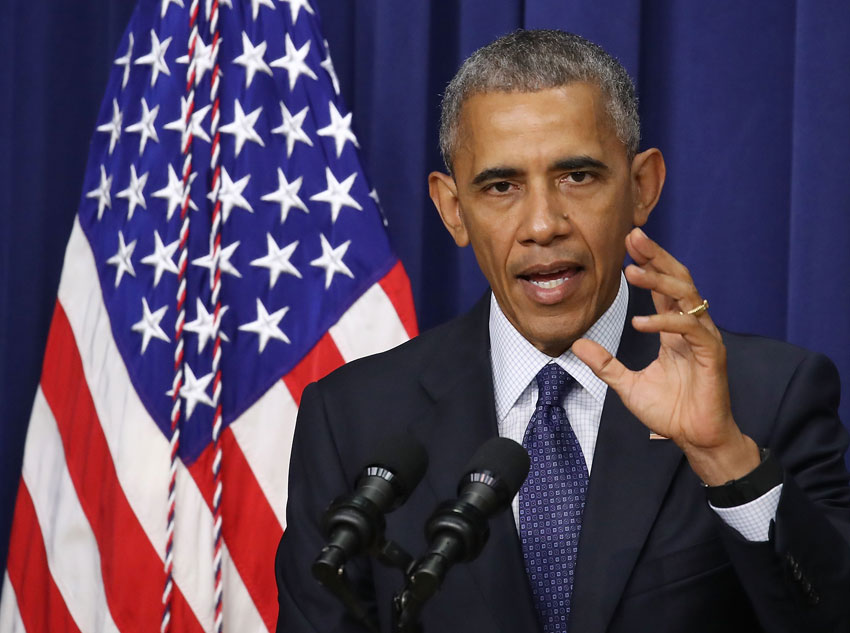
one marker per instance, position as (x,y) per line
(705,492)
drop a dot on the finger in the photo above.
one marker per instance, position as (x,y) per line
(683,294)
(611,371)
(649,255)
(705,343)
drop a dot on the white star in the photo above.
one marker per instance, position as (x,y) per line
(194,390)
(145,126)
(252,59)
(204,59)
(196,127)
(173,191)
(230,194)
(374,195)
(125,61)
(331,260)
(337,194)
(113,127)
(242,126)
(149,326)
(293,61)
(156,57)
(161,258)
(104,199)
(224,255)
(295,7)
(266,325)
(205,326)
(167,3)
(255,6)
(291,128)
(328,65)
(122,259)
(339,128)
(135,192)
(286,195)
(277,260)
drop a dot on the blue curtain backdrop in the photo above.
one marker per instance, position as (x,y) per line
(750,103)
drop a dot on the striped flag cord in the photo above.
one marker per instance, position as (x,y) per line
(181,316)
(215,242)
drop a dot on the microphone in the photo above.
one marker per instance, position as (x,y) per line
(458,530)
(354,523)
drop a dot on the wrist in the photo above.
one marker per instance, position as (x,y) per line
(754,485)
(719,464)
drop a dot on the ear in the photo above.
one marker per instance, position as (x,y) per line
(443,191)
(647,174)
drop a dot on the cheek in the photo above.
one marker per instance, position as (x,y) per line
(492,248)
(607,243)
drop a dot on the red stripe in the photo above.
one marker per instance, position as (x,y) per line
(40,604)
(317,363)
(133,574)
(397,287)
(249,527)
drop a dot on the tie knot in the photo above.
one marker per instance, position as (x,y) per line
(552,383)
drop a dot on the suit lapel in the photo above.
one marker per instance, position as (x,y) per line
(630,476)
(458,381)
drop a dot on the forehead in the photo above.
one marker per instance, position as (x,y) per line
(511,127)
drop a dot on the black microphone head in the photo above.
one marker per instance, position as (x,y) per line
(504,460)
(403,456)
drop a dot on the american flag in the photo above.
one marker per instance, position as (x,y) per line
(228,250)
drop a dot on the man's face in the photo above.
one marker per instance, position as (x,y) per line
(544,193)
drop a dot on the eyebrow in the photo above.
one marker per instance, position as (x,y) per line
(494,173)
(565,164)
(578,162)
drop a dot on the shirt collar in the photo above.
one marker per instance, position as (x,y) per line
(515,361)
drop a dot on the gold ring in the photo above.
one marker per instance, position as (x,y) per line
(703,307)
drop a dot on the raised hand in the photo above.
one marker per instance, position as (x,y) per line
(684,393)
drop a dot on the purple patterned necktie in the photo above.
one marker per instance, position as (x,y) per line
(551,501)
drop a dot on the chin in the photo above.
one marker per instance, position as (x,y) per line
(552,345)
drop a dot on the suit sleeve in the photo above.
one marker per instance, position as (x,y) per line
(799,580)
(316,476)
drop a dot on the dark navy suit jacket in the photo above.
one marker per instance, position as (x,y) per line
(652,556)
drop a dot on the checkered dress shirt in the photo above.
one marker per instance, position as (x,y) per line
(515,363)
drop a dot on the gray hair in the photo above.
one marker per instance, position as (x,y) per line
(529,61)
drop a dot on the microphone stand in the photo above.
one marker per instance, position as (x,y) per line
(332,576)
(468,531)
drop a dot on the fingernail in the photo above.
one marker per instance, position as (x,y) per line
(640,320)
(640,231)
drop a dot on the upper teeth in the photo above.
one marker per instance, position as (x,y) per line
(552,283)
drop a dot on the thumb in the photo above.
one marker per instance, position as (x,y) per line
(607,368)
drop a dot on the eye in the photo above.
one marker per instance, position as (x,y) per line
(579,177)
(501,187)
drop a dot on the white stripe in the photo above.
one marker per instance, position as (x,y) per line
(370,326)
(193,560)
(264,433)
(72,554)
(10,617)
(139,450)
(238,610)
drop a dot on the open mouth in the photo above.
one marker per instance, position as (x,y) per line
(552,279)
(552,283)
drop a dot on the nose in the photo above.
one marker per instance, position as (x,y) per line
(545,216)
